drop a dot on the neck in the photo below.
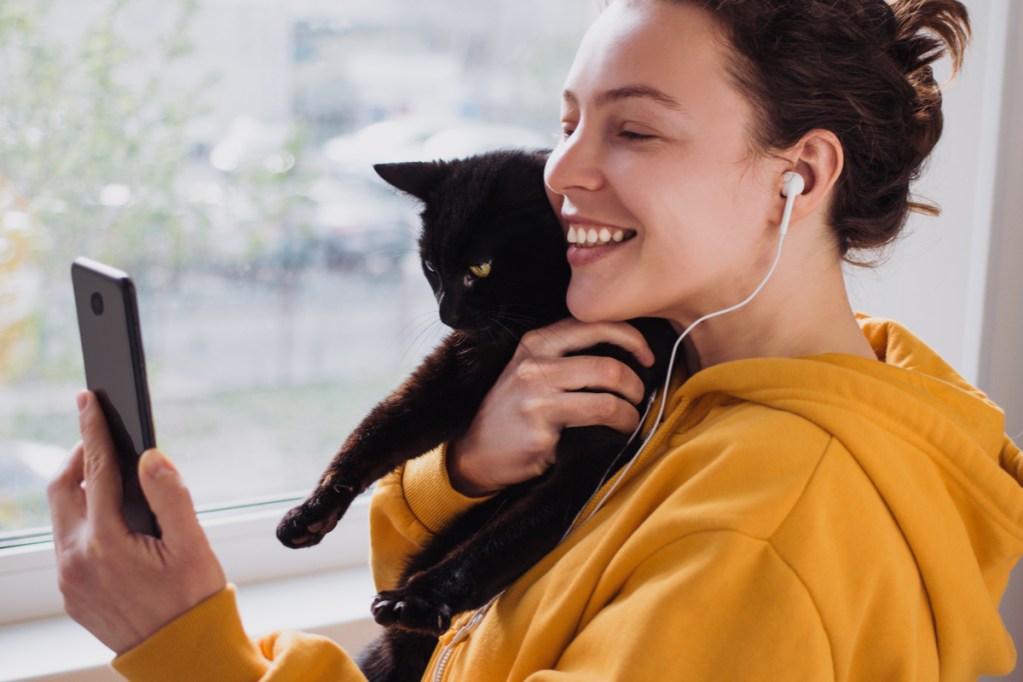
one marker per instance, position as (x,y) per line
(802,310)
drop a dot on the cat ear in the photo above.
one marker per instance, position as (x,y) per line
(417,178)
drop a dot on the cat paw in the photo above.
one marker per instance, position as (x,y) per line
(297,529)
(308,523)
(411,612)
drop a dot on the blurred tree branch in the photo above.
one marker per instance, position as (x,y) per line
(95,153)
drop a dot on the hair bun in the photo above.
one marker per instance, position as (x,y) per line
(926,31)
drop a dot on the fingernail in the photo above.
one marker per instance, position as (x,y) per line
(83,400)
(155,464)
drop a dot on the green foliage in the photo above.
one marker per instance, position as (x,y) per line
(93,146)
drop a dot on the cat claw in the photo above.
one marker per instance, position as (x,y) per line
(411,613)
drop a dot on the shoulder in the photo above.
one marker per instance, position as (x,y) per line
(770,475)
(735,466)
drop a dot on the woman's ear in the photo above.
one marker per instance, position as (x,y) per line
(819,158)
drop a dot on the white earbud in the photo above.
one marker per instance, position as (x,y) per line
(793,185)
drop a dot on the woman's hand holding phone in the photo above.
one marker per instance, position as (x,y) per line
(119,585)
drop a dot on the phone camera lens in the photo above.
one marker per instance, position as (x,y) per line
(97,303)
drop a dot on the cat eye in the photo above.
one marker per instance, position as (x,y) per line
(480,271)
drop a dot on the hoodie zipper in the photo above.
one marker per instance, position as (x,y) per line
(461,636)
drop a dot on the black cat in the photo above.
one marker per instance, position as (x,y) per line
(494,253)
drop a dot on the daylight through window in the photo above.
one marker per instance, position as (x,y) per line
(221,152)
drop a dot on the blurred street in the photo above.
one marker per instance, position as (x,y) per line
(254,385)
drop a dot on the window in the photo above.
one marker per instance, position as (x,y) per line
(221,152)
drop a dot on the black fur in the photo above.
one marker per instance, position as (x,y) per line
(489,209)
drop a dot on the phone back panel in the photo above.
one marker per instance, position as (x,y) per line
(108,324)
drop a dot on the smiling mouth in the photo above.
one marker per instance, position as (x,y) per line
(581,235)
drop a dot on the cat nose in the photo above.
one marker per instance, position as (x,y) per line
(450,317)
(449,312)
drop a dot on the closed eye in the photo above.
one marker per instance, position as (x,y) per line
(633,135)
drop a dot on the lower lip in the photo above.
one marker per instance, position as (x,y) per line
(578,256)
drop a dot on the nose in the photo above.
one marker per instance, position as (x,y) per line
(449,314)
(574,165)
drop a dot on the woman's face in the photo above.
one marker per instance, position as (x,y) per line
(655,152)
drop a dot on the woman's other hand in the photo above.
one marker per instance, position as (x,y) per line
(121,586)
(515,433)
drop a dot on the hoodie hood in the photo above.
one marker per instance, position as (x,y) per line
(934,447)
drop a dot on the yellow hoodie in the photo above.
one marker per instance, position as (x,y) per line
(816,518)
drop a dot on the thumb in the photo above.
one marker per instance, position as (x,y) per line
(169,499)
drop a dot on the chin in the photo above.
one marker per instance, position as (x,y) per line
(593,309)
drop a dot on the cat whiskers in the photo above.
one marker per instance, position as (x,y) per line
(519,321)
(429,326)
(502,325)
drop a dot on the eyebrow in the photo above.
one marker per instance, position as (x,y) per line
(630,92)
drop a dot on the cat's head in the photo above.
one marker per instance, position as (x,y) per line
(491,245)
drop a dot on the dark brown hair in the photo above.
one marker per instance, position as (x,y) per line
(861,69)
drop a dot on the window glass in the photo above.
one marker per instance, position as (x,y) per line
(221,152)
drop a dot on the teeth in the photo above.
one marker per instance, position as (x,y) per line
(592,236)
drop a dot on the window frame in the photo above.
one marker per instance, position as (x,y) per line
(242,536)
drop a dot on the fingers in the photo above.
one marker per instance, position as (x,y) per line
(590,409)
(170,501)
(101,474)
(585,373)
(66,497)
(570,335)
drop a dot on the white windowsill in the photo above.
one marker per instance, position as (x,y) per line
(325,590)
(334,604)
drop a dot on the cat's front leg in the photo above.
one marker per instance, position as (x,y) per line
(306,524)
(534,520)
(433,405)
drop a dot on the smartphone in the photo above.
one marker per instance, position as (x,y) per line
(115,370)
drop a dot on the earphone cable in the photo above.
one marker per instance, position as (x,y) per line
(783,230)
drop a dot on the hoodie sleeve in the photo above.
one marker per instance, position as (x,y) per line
(409,506)
(209,644)
(715,605)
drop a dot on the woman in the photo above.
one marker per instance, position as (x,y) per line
(823,498)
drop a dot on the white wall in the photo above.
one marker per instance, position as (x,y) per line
(957,280)
(934,279)
(1001,359)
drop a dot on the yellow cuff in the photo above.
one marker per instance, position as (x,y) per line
(428,492)
(206,643)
